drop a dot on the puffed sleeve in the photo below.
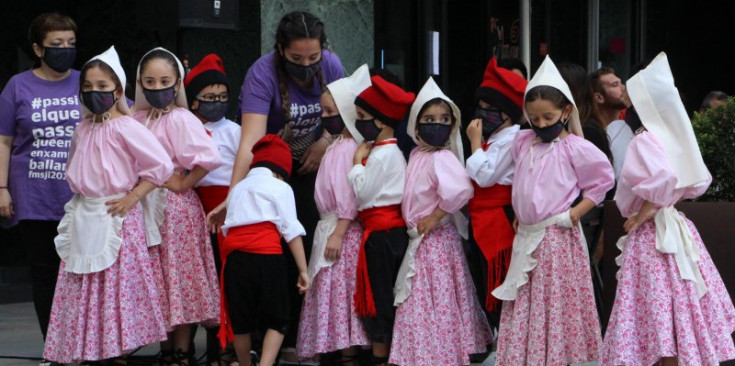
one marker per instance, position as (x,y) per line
(288,223)
(151,158)
(343,192)
(647,170)
(594,173)
(486,168)
(191,144)
(453,184)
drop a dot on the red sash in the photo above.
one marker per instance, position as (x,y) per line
(211,197)
(373,219)
(493,234)
(260,238)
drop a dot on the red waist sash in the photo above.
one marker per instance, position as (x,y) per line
(373,219)
(493,233)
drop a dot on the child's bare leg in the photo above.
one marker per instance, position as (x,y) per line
(271,344)
(380,351)
(669,361)
(182,337)
(242,348)
(349,356)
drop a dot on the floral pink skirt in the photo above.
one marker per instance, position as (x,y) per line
(441,322)
(328,319)
(553,321)
(106,314)
(189,276)
(657,314)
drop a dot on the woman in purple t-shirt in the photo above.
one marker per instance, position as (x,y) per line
(39,110)
(280,94)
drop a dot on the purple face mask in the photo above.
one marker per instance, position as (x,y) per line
(160,98)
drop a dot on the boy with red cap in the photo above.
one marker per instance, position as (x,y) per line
(261,209)
(207,93)
(499,108)
(378,178)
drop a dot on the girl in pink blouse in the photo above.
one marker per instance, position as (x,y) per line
(189,277)
(439,320)
(670,303)
(328,320)
(549,315)
(106,301)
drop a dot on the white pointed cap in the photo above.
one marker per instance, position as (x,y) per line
(344,91)
(111,59)
(658,104)
(548,74)
(141,103)
(430,91)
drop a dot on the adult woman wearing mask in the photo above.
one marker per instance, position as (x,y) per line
(39,110)
(280,94)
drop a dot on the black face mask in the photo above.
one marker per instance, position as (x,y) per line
(548,133)
(300,72)
(368,129)
(212,111)
(491,120)
(333,124)
(160,98)
(434,134)
(98,102)
(59,59)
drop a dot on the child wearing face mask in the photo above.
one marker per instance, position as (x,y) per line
(549,315)
(491,133)
(378,177)
(439,320)
(106,283)
(329,321)
(189,277)
(207,92)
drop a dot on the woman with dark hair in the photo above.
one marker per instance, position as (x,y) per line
(280,94)
(39,109)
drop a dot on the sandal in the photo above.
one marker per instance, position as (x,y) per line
(345,360)
(380,361)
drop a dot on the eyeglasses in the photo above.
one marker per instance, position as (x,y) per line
(214,97)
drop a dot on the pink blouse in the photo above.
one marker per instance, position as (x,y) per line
(108,158)
(332,191)
(647,176)
(549,176)
(184,138)
(434,179)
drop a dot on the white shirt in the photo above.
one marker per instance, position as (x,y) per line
(226,135)
(261,197)
(620,136)
(380,181)
(494,165)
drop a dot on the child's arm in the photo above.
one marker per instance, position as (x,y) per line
(297,250)
(648,209)
(428,223)
(581,209)
(121,206)
(334,243)
(180,183)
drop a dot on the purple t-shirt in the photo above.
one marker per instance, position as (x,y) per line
(41,115)
(260,94)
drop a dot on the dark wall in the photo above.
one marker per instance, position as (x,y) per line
(134,27)
(697,37)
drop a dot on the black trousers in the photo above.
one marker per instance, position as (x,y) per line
(38,239)
(308,214)
(384,251)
